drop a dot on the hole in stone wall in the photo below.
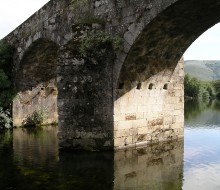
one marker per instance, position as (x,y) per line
(165,87)
(121,86)
(139,86)
(42,88)
(150,86)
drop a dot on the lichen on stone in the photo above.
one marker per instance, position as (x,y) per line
(90,19)
(77,3)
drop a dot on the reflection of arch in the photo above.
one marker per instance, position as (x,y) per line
(38,64)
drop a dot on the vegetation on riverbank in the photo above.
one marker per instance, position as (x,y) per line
(6,86)
(36,119)
(197,89)
(216,85)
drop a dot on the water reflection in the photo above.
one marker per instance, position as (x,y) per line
(201,147)
(6,159)
(34,163)
(85,170)
(29,159)
(35,146)
(202,114)
(157,167)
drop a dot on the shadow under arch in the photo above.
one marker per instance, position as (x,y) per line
(35,82)
(37,65)
(157,113)
(162,43)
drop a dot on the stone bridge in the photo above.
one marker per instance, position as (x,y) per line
(108,70)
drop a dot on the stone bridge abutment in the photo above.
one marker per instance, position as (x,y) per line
(110,71)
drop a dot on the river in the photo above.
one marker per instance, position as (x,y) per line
(30,160)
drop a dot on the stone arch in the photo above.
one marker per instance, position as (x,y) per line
(35,81)
(38,64)
(163,41)
(153,57)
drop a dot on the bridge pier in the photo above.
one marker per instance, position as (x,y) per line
(85,102)
(150,111)
(89,118)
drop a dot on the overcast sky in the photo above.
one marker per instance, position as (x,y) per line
(206,47)
(14,12)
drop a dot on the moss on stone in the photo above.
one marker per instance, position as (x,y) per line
(92,19)
(77,3)
(97,46)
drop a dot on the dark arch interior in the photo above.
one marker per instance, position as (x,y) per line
(35,83)
(165,87)
(162,43)
(150,86)
(38,65)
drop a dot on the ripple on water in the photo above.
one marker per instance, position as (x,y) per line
(202,177)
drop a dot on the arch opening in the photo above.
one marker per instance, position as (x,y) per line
(165,87)
(161,44)
(36,83)
(139,86)
(150,87)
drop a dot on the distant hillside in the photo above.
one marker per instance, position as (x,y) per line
(203,70)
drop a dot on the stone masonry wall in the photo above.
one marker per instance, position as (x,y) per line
(152,111)
(85,95)
(43,96)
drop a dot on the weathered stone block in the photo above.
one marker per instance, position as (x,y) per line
(139,123)
(124,125)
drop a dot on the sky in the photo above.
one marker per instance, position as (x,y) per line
(15,12)
(206,47)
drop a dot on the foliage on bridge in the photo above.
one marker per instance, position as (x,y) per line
(99,46)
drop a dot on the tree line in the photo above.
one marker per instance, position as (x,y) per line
(198,89)
(7,91)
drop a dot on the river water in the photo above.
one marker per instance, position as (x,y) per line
(30,160)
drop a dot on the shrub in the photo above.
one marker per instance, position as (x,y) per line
(5,119)
(36,119)
(98,46)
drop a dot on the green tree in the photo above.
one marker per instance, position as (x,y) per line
(197,89)
(6,88)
